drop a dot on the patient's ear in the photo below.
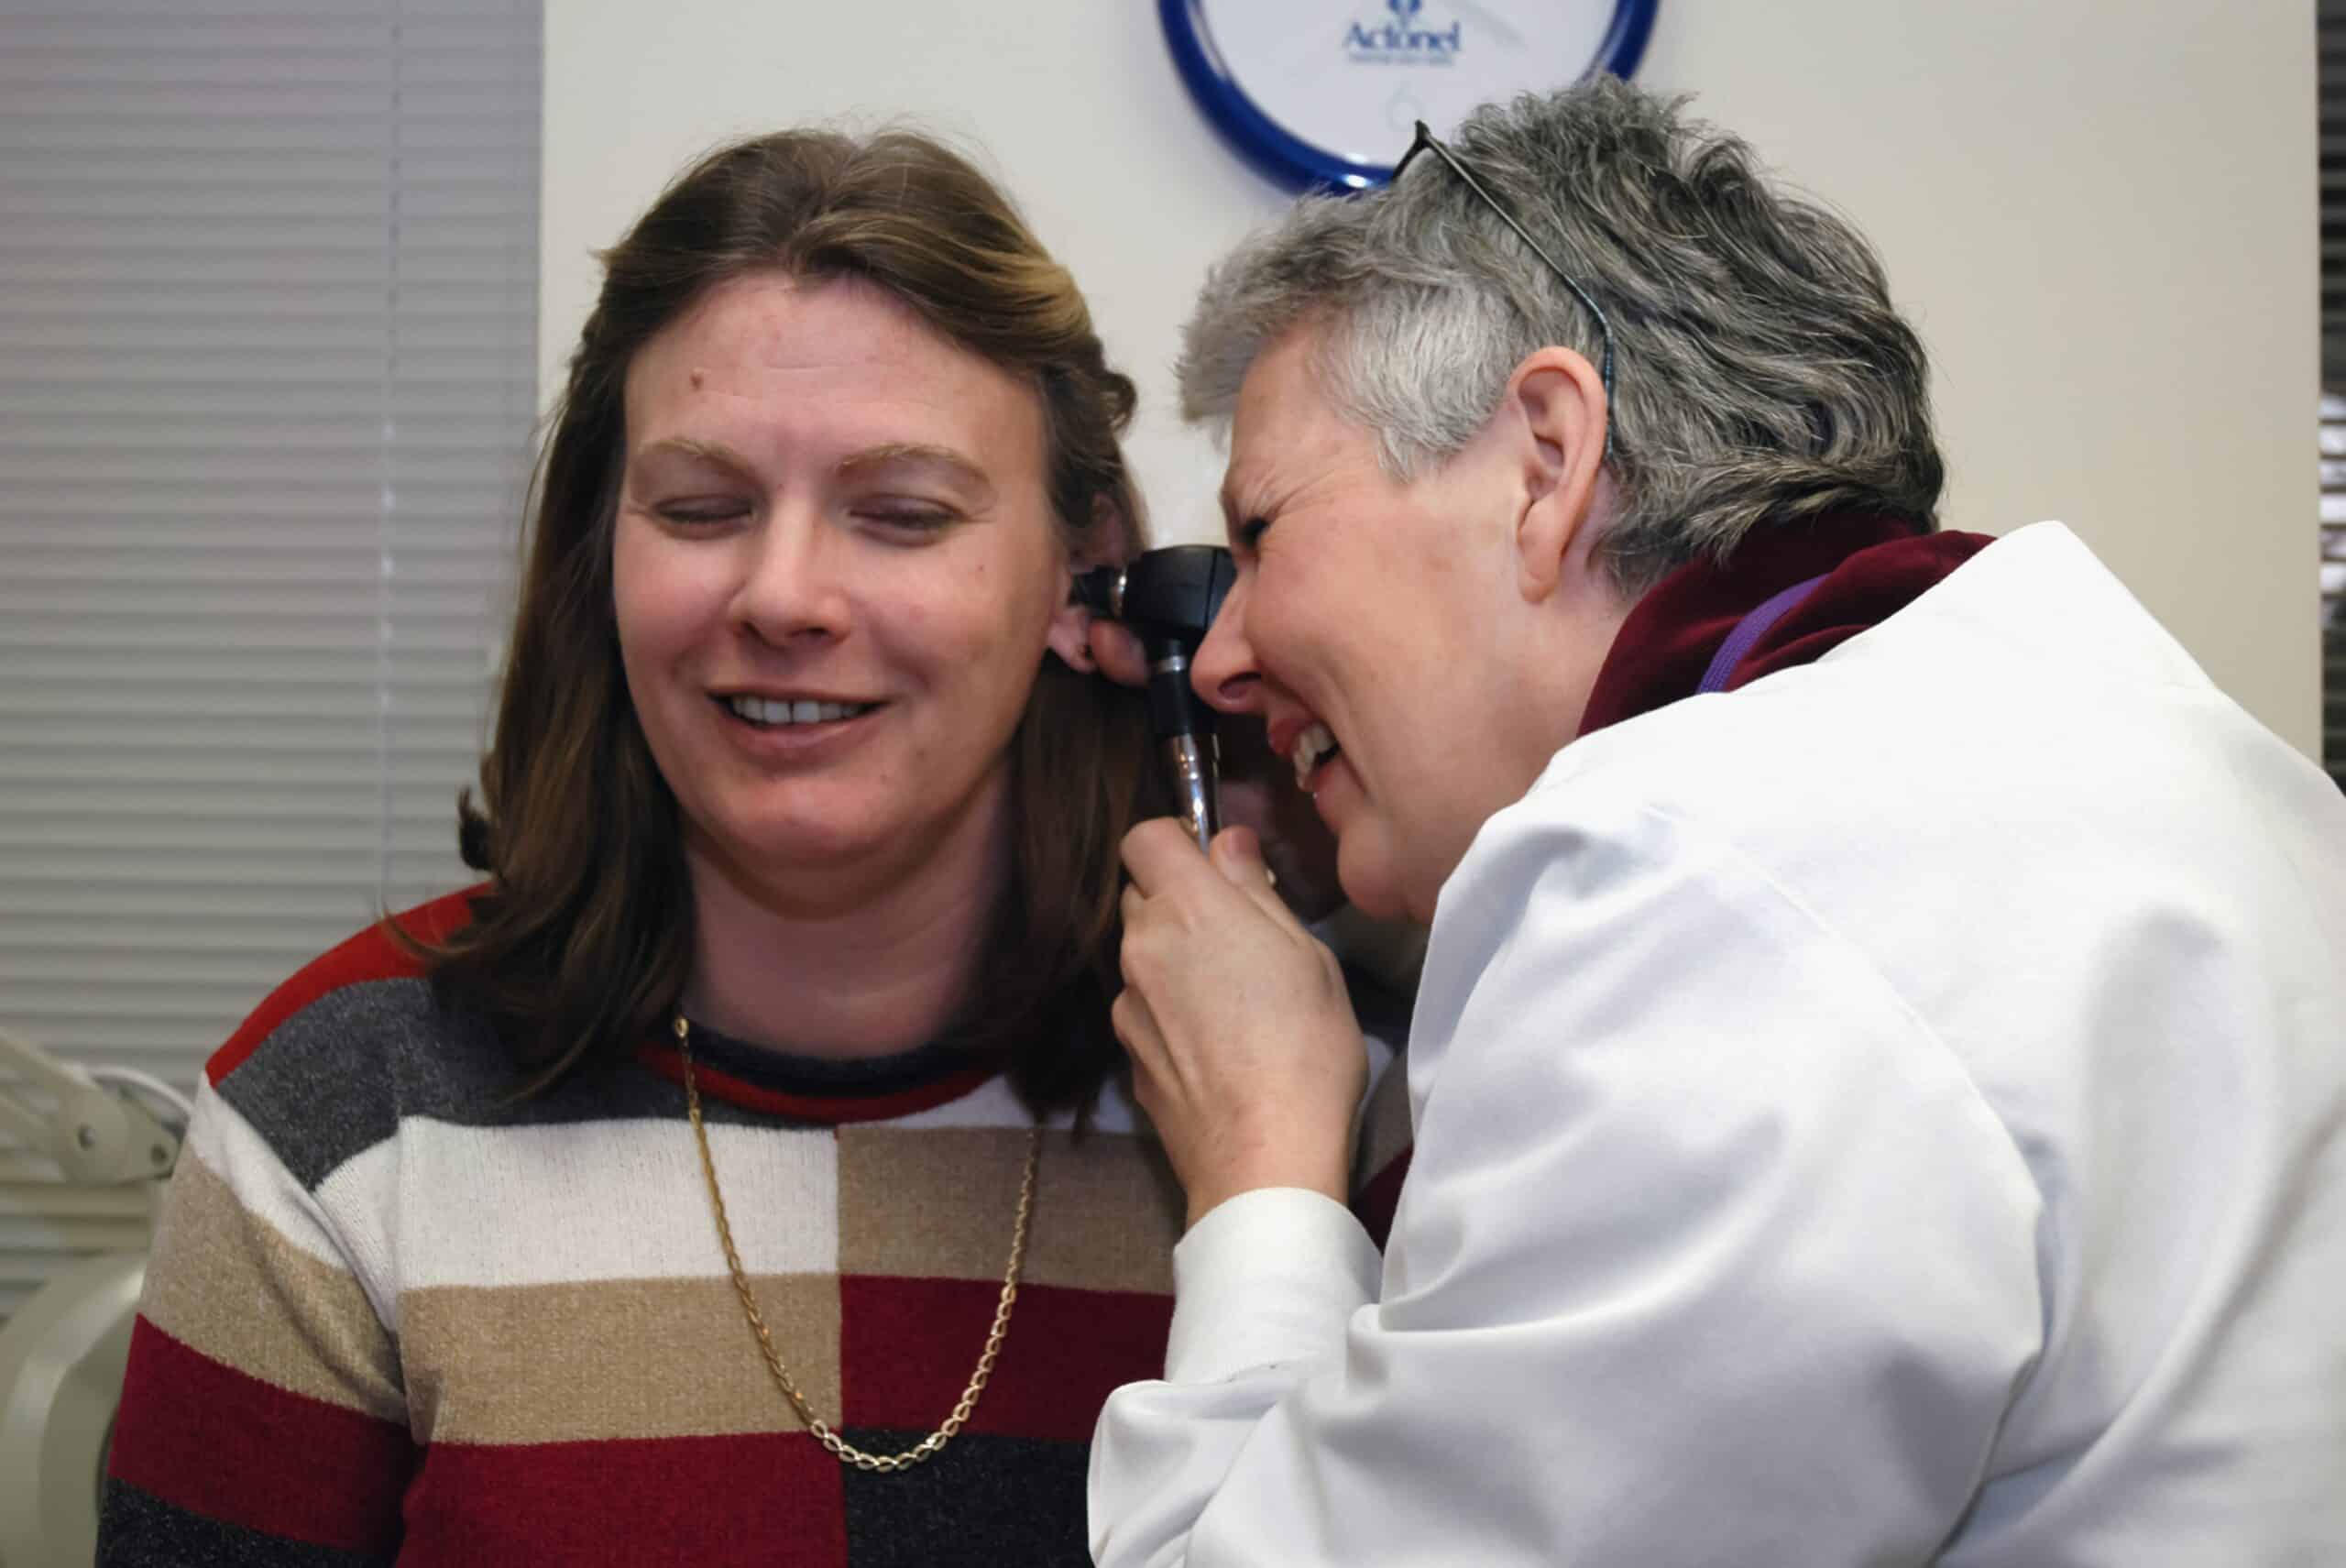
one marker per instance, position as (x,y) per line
(1104,541)
(1070,633)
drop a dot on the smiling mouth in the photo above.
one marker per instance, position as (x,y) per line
(773,713)
(1316,745)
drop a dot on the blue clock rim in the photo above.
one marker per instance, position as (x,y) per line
(1293,163)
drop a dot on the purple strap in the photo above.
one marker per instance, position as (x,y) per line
(1749,630)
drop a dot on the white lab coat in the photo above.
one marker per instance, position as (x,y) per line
(1891,1113)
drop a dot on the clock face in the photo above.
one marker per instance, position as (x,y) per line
(1328,91)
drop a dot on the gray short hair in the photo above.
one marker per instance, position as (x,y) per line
(1761,374)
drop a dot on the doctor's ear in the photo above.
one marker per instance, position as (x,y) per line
(1557,397)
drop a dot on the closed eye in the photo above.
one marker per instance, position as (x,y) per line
(913,516)
(697,513)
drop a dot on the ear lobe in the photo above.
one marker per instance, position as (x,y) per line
(1559,399)
(1071,630)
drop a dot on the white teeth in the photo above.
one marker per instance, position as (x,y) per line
(772,710)
(1311,746)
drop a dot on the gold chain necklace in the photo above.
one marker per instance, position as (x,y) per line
(840,1448)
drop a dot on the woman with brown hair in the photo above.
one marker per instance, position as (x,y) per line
(734,1173)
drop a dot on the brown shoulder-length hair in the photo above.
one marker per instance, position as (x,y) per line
(580,946)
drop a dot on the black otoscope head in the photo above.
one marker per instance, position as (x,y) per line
(1173,594)
(1169,598)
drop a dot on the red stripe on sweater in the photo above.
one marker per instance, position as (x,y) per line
(371,955)
(907,1347)
(828,1109)
(766,1498)
(206,1438)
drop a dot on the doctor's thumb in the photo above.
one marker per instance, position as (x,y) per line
(1237,854)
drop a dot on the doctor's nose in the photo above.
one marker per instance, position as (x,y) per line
(1223,672)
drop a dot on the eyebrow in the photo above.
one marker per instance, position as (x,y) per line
(880,457)
(917,453)
(1235,515)
(715,451)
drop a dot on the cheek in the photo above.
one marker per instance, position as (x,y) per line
(632,618)
(1333,653)
(975,661)
(1004,656)
(984,622)
(636,596)
(662,600)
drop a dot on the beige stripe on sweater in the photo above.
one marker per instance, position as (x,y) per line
(223,1281)
(631,1358)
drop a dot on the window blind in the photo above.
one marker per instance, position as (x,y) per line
(2330,78)
(268,311)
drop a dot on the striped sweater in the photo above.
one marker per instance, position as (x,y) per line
(389,1318)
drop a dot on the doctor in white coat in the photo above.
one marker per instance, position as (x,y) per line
(1878,1080)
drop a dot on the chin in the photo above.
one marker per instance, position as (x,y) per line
(764,851)
(1371,888)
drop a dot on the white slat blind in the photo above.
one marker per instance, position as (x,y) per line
(2330,84)
(267,306)
(2333,580)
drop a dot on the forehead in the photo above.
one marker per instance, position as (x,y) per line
(768,363)
(1285,435)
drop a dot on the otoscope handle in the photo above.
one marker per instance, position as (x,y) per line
(1189,765)
(1185,735)
(1169,597)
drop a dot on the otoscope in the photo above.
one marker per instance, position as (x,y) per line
(1168,597)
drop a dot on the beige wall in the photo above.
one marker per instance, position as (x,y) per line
(2100,213)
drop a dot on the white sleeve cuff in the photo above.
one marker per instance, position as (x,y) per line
(1268,1277)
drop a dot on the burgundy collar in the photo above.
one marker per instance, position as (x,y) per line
(1872,568)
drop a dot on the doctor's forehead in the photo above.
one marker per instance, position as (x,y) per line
(1290,446)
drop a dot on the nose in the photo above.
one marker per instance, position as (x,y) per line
(793,583)
(1223,672)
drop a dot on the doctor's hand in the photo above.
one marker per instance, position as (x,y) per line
(1256,789)
(1245,1053)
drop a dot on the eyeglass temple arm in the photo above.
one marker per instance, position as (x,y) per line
(1426,140)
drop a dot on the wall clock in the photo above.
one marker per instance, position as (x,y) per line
(1324,92)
